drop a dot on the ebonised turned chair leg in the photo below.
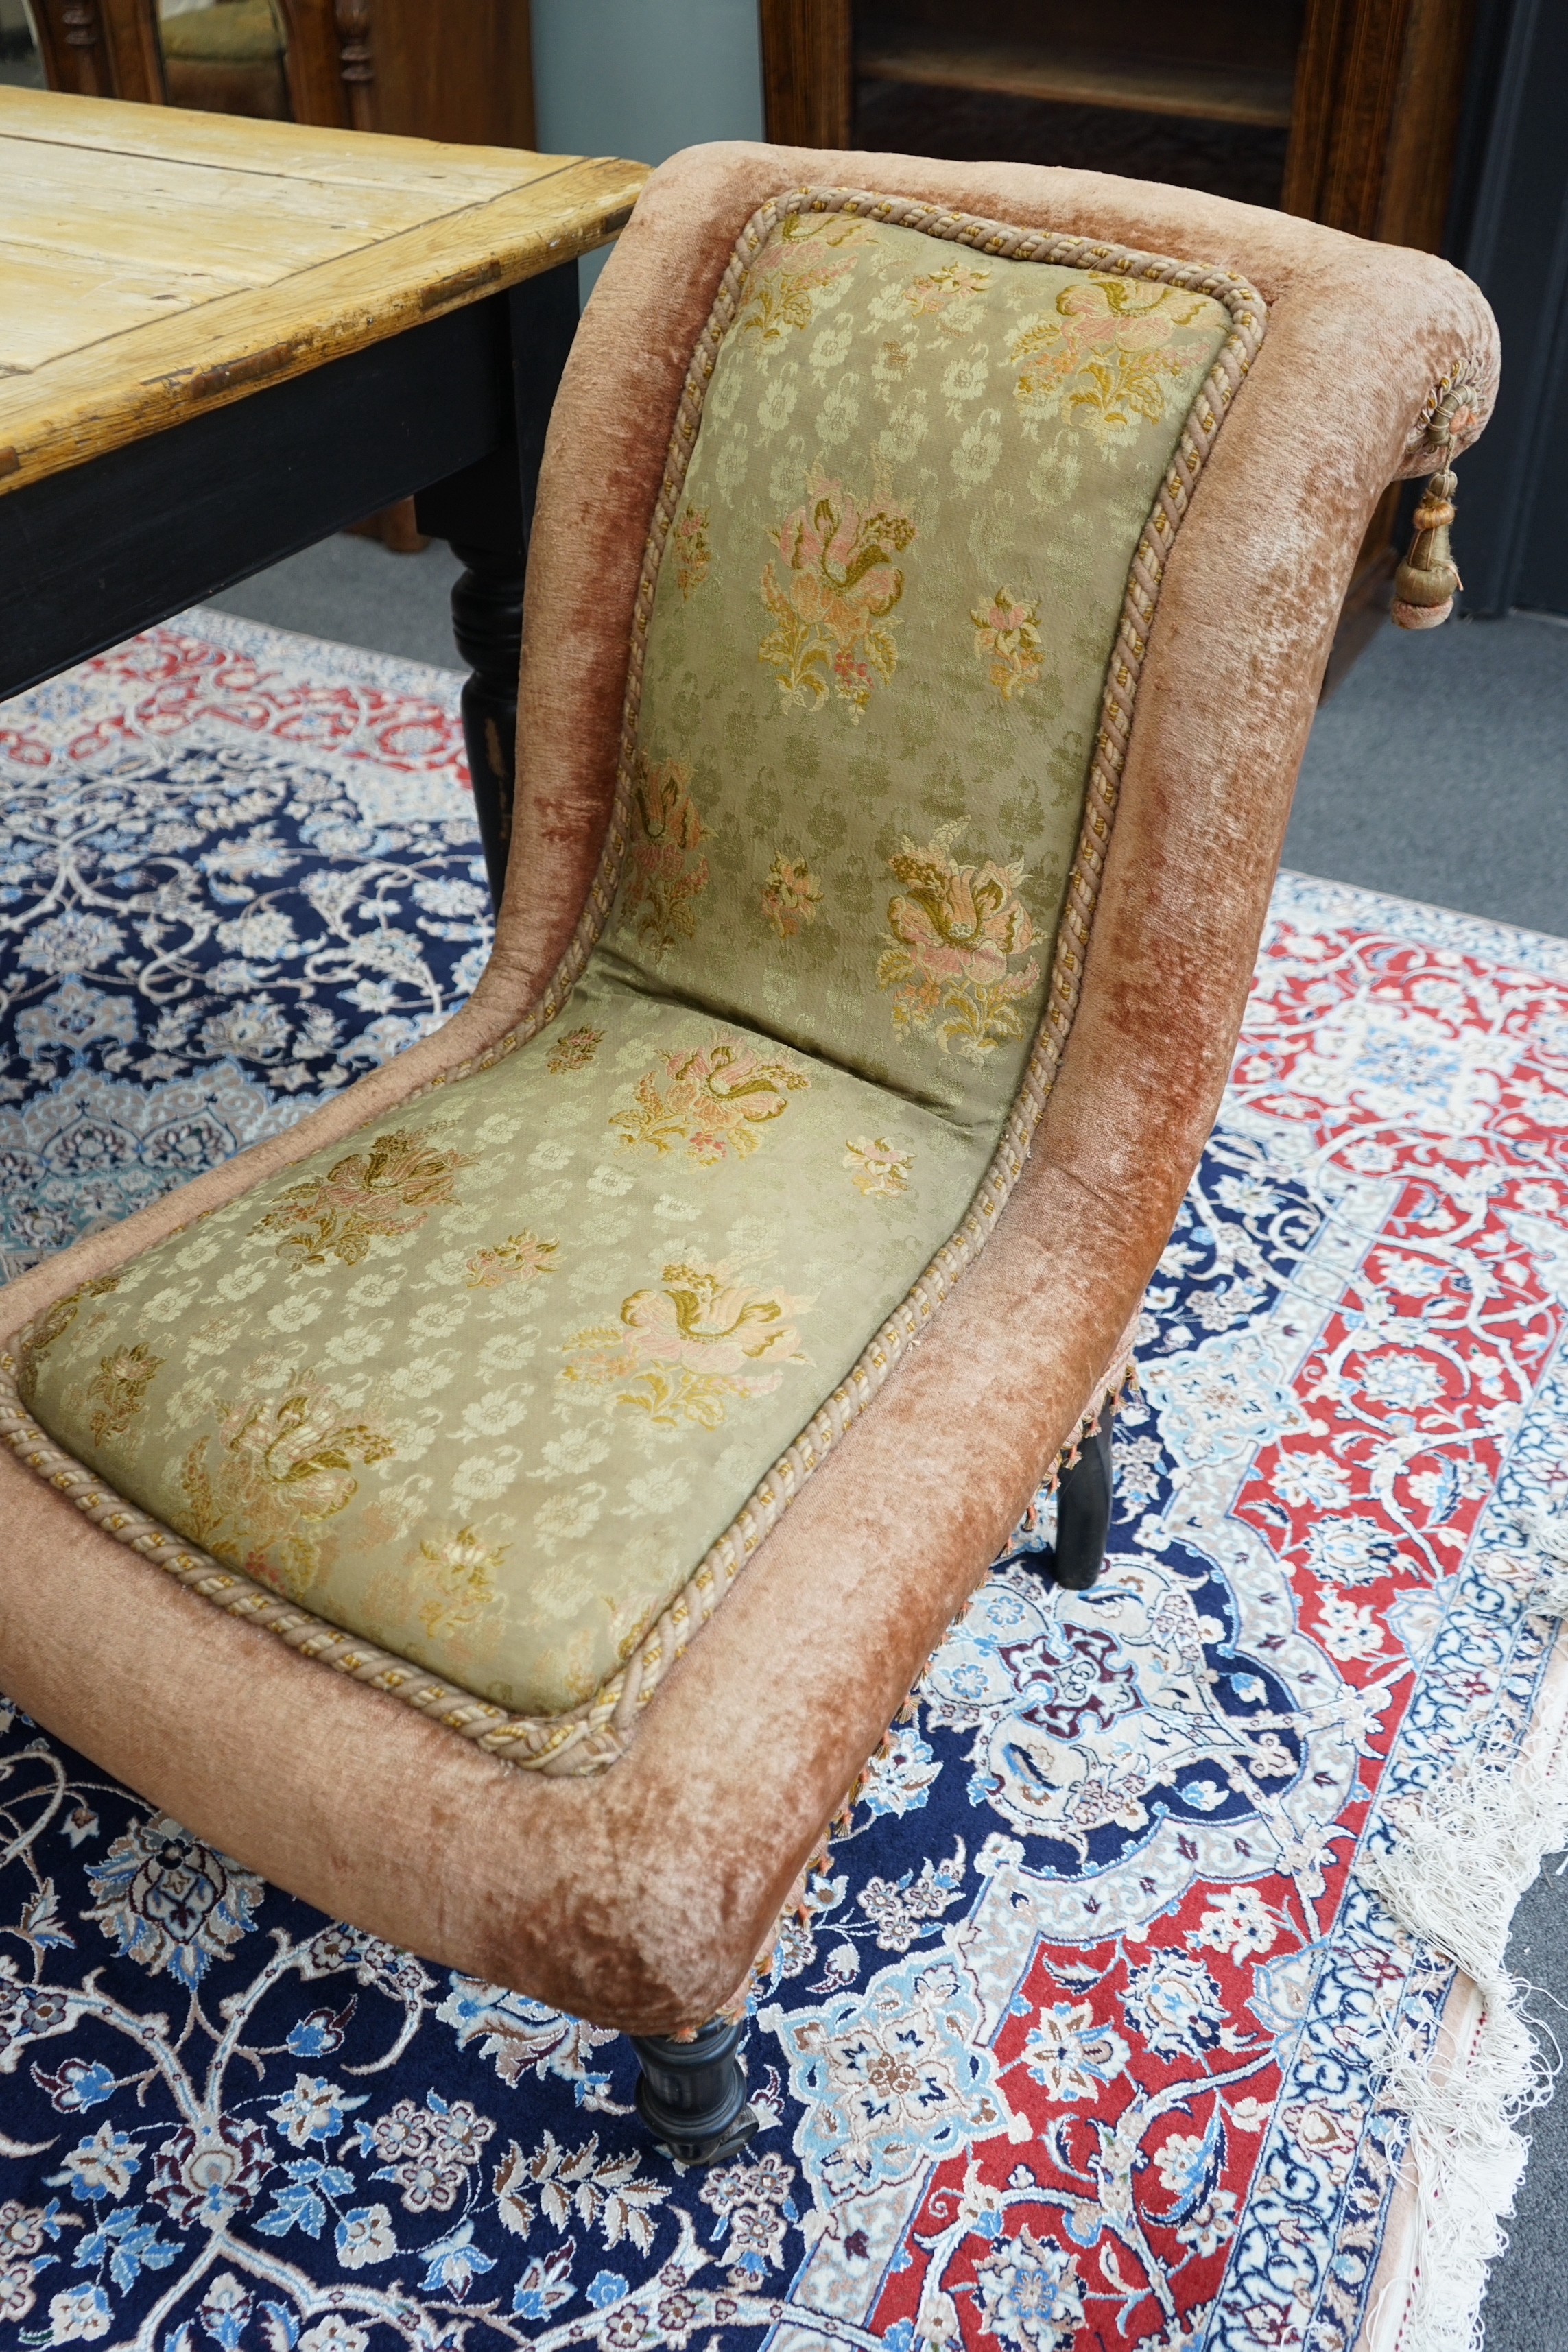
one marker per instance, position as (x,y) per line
(692,2095)
(1083,1511)
(487,621)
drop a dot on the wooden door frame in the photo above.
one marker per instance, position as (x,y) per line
(808,72)
(1380,87)
(1380,90)
(314,65)
(101,48)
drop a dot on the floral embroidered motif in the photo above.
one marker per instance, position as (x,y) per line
(119,1388)
(692,553)
(929,297)
(753,2203)
(463,1571)
(1006,632)
(278,1465)
(714,1101)
(683,1351)
(573,1051)
(521,1258)
(840,585)
(360,1198)
(52,1325)
(661,878)
(878,1167)
(791,896)
(956,930)
(806,256)
(1104,358)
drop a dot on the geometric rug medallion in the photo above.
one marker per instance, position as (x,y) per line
(1101,2028)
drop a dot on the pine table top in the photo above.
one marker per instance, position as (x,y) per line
(156,263)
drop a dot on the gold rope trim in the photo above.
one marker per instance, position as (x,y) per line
(587,1739)
(1452,412)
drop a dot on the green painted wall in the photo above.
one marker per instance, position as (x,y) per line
(643,77)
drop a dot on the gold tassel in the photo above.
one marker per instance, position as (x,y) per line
(1425,582)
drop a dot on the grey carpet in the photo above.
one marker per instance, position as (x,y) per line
(354,591)
(1438,772)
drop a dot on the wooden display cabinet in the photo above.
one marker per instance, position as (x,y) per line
(1345,111)
(459,70)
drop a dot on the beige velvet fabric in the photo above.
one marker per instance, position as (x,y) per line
(638,1897)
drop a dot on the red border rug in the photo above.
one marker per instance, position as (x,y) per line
(1153,1995)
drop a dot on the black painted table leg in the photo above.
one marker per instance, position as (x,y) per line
(1083,1511)
(487,622)
(485,512)
(692,2095)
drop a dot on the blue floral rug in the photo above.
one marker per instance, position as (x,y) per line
(237,868)
(1096,2030)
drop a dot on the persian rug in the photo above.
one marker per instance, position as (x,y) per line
(1152,1995)
(237,869)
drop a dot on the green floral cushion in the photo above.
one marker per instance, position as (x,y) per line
(485,1383)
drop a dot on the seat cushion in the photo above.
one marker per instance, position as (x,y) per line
(485,1385)
(518,1375)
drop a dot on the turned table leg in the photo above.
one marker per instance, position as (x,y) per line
(692,2095)
(485,513)
(487,622)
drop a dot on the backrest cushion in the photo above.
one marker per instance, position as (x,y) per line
(879,638)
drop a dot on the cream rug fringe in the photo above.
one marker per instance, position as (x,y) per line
(1465,1855)
(1549,1598)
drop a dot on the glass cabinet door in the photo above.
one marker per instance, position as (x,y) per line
(20,62)
(1199,97)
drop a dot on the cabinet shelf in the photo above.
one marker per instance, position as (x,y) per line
(1082,77)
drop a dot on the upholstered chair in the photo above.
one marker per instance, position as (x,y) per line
(507,1509)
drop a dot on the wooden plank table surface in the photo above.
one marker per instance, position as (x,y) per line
(221,338)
